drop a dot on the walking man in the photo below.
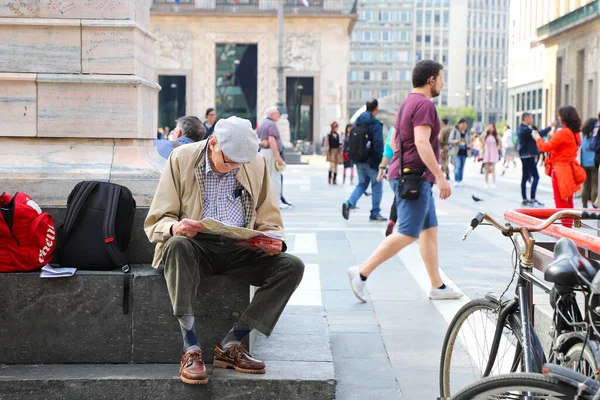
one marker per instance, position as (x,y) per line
(460,144)
(445,146)
(368,171)
(269,134)
(223,178)
(417,141)
(528,152)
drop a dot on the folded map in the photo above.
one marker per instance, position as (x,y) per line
(215,227)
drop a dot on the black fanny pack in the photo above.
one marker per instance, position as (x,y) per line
(410,185)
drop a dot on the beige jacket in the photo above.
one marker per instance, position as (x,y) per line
(179,195)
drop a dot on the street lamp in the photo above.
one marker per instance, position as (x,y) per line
(174,86)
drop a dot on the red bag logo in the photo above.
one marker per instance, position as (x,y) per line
(27,235)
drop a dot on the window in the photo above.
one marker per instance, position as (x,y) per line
(437,18)
(539,98)
(383,93)
(365,95)
(427,38)
(352,76)
(567,95)
(533,98)
(384,76)
(405,76)
(428,17)
(367,75)
(419,38)
(528,100)
(386,55)
(446,18)
(384,16)
(523,102)
(386,36)
(366,56)
(419,18)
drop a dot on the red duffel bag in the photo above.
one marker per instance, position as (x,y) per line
(27,235)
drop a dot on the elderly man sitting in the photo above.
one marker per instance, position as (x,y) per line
(223,178)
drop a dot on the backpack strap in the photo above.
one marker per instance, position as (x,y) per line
(76,205)
(108,230)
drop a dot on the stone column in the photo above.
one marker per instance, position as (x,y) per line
(80,102)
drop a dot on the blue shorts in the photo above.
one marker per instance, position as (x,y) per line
(415,216)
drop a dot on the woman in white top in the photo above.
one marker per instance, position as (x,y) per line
(509,149)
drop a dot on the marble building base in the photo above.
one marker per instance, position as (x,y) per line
(49,168)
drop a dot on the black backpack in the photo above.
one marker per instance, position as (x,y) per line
(97,230)
(360,143)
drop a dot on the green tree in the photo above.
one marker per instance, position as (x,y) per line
(454,114)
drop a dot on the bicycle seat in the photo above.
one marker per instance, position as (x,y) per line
(561,271)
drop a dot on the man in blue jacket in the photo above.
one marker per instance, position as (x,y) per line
(528,152)
(368,171)
(189,130)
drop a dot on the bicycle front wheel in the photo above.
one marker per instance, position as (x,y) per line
(516,387)
(467,346)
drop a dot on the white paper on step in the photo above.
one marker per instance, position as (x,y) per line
(51,272)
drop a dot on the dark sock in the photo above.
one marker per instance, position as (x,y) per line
(235,336)
(443,286)
(362,277)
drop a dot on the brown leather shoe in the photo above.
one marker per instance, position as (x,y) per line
(237,357)
(192,369)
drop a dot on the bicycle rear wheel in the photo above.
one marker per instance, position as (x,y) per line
(516,387)
(590,360)
(467,346)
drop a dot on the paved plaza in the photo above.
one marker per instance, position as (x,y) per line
(389,348)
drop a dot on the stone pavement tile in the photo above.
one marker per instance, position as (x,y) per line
(394,282)
(414,347)
(418,383)
(354,328)
(334,276)
(409,315)
(352,318)
(352,393)
(337,236)
(365,373)
(310,348)
(343,300)
(357,345)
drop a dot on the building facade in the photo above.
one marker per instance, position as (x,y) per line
(469,37)
(572,42)
(381,51)
(478,74)
(224,54)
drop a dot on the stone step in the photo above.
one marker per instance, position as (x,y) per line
(297,356)
(53,320)
(283,380)
(80,319)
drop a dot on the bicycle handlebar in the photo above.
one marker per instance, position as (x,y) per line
(509,229)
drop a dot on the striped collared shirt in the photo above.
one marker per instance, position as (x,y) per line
(223,196)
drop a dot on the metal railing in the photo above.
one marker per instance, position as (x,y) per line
(570,20)
(291,7)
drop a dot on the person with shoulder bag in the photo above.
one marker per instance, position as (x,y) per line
(413,172)
(567,175)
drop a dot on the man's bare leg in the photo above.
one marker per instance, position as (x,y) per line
(428,246)
(390,246)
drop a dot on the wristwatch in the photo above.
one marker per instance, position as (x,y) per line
(380,167)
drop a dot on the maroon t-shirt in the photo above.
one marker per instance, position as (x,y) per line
(418,110)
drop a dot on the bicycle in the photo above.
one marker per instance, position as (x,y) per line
(514,346)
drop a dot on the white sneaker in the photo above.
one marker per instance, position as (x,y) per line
(283,206)
(461,184)
(444,294)
(357,284)
(455,184)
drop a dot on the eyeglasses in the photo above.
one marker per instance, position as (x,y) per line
(228,162)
